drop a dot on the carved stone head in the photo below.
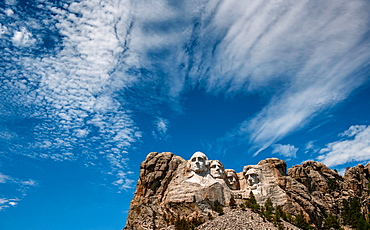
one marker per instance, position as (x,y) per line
(199,162)
(217,169)
(252,176)
(232,179)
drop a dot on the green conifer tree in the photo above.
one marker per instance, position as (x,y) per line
(351,213)
(252,203)
(331,222)
(279,214)
(300,221)
(269,209)
(232,203)
(218,208)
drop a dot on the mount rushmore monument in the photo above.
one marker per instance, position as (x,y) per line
(170,187)
(202,179)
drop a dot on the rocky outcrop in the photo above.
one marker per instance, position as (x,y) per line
(324,189)
(357,184)
(317,190)
(357,180)
(156,172)
(171,188)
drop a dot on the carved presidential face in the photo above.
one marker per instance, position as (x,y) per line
(252,177)
(199,162)
(232,179)
(217,169)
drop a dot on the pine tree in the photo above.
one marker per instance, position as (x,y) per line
(186,224)
(218,208)
(300,221)
(279,214)
(269,208)
(333,184)
(351,213)
(331,222)
(362,224)
(232,203)
(346,212)
(252,203)
(289,218)
(252,198)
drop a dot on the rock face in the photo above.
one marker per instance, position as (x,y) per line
(263,180)
(156,172)
(171,188)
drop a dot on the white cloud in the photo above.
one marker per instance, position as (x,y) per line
(3,200)
(310,145)
(353,130)
(300,49)
(303,52)
(29,183)
(6,203)
(8,179)
(3,178)
(11,2)
(354,149)
(23,38)
(9,12)
(72,88)
(123,182)
(284,150)
(3,29)
(21,187)
(77,82)
(161,126)
(12,203)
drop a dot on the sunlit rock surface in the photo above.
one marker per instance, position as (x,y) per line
(170,188)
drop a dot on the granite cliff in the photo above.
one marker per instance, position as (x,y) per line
(173,192)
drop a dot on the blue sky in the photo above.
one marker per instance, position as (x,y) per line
(89,88)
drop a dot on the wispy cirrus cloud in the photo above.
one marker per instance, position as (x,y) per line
(354,146)
(161,125)
(8,179)
(306,54)
(303,57)
(3,178)
(284,150)
(21,188)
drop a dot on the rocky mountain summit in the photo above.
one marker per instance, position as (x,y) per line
(173,193)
